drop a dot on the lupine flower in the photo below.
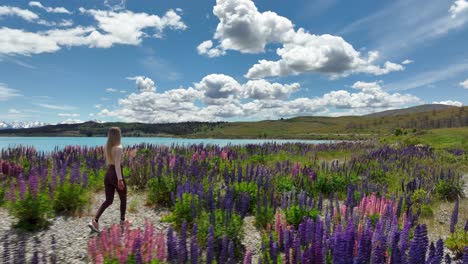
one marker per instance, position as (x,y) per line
(454,219)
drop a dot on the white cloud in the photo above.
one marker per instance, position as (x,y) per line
(98,106)
(143,84)
(15,11)
(71,121)
(115,5)
(450,102)
(62,23)
(111,90)
(221,97)
(243,28)
(8,93)
(464,84)
(206,48)
(61,10)
(261,89)
(13,111)
(68,114)
(113,28)
(219,88)
(458,7)
(405,62)
(57,107)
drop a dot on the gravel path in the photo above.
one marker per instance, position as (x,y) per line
(71,234)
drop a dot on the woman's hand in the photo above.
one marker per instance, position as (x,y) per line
(121,185)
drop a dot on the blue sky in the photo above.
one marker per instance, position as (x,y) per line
(169,61)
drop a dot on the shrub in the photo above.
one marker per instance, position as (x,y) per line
(448,190)
(456,242)
(70,198)
(295,214)
(263,216)
(32,212)
(160,190)
(186,209)
(228,224)
(284,184)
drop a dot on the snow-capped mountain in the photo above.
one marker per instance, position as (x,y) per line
(21,124)
(31,124)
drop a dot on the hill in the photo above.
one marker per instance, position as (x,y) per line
(305,127)
(412,110)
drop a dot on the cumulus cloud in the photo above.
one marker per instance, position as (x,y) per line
(464,84)
(61,10)
(143,84)
(113,28)
(15,11)
(243,28)
(261,89)
(458,7)
(206,48)
(111,90)
(8,93)
(220,97)
(449,102)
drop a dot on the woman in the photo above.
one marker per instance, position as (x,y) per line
(114,178)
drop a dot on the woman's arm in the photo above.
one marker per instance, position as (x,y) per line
(117,160)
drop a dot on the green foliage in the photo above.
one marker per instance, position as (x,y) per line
(70,198)
(333,183)
(448,190)
(249,188)
(374,218)
(32,212)
(263,216)
(419,196)
(284,184)
(398,132)
(2,195)
(185,210)
(226,224)
(257,159)
(295,214)
(426,211)
(457,241)
(159,193)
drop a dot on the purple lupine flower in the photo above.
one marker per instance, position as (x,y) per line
(454,219)
(465,255)
(431,253)
(395,258)
(274,253)
(448,259)
(182,244)
(171,246)
(223,255)
(22,187)
(231,255)
(210,246)
(439,252)
(33,184)
(194,251)
(85,179)
(418,246)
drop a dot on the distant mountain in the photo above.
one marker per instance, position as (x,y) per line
(19,125)
(412,110)
(33,124)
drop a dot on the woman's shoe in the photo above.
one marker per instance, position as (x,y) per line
(94,226)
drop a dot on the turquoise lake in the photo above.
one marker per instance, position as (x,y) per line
(49,143)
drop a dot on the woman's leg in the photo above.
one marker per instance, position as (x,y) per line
(123,201)
(110,191)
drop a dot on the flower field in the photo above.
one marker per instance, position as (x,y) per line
(348,202)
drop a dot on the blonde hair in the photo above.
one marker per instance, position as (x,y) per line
(113,139)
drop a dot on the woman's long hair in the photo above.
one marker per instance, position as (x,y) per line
(113,139)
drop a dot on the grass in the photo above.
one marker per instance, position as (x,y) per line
(442,138)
